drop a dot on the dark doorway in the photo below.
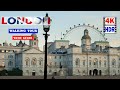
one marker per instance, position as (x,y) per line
(100,72)
(33,73)
(95,72)
(90,72)
(55,73)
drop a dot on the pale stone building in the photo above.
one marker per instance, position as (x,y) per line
(97,58)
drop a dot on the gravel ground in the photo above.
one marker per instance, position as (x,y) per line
(60,77)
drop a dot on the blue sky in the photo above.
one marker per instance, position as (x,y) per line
(62,21)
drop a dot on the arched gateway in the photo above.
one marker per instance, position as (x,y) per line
(95,72)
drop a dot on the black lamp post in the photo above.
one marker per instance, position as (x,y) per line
(46,28)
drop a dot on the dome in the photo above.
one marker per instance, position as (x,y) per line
(5,43)
(10,44)
(86,37)
(20,42)
(85,30)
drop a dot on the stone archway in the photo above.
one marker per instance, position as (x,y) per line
(95,72)
(55,73)
(33,73)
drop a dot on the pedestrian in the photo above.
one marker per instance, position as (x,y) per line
(53,77)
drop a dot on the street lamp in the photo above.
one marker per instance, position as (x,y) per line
(46,28)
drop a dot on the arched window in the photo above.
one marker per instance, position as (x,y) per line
(114,63)
(77,62)
(60,64)
(27,61)
(10,56)
(83,62)
(84,72)
(100,63)
(34,62)
(50,71)
(90,62)
(100,48)
(78,71)
(10,63)
(40,61)
(105,63)
(95,63)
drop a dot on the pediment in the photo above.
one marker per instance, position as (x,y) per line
(32,50)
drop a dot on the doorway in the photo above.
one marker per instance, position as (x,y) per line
(33,73)
(55,73)
(95,72)
(100,72)
(90,72)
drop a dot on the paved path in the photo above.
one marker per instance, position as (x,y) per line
(58,77)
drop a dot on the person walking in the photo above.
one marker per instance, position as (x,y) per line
(53,77)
